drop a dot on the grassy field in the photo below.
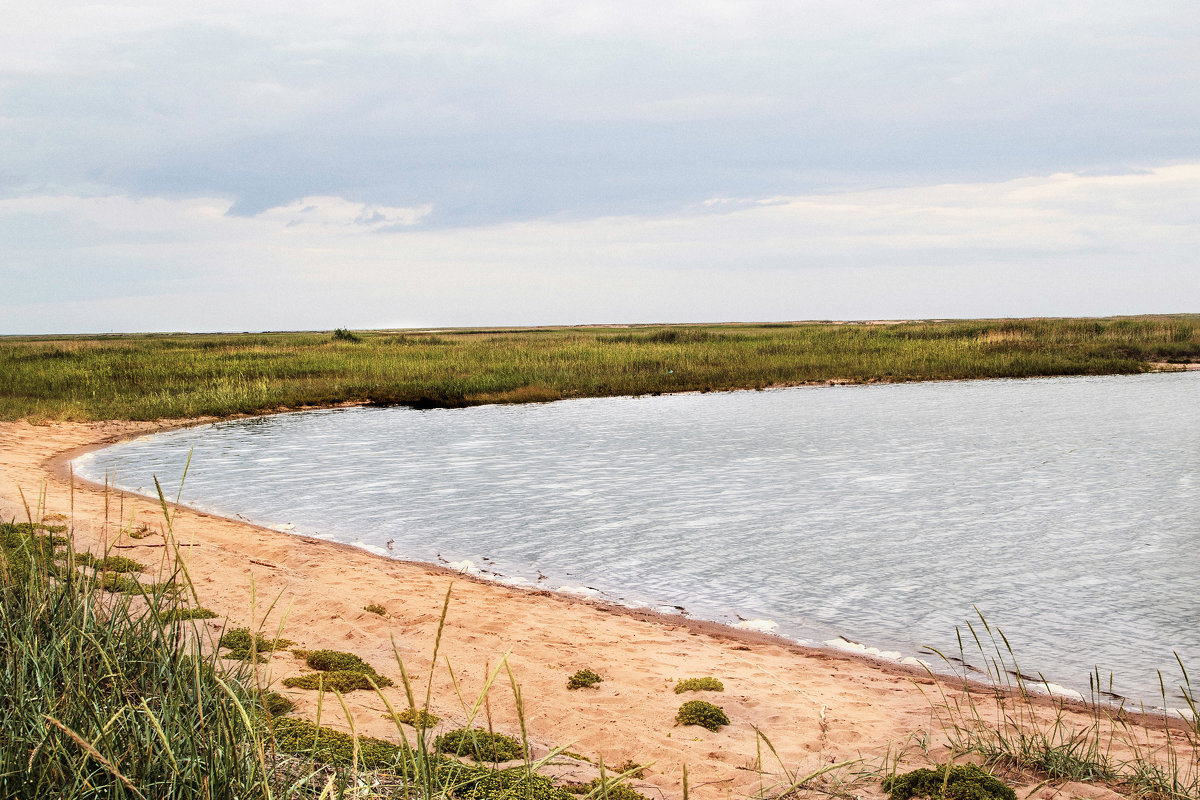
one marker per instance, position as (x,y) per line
(184,375)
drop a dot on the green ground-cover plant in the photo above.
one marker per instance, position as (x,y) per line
(708,684)
(175,376)
(339,680)
(606,790)
(480,745)
(583,679)
(109,563)
(375,608)
(702,713)
(415,718)
(243,645)
(344,672)
(948,782)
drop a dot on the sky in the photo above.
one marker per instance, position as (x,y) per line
(207,166)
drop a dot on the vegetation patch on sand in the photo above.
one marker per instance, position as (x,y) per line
(480,745)
(583,679)
(948,782)
(178,376)
(702,713)
(708,684)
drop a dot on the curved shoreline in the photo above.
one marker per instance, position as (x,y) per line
(61,466)
(815,704)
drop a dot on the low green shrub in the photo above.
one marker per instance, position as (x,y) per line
(480,745)
(276,704)
(418,719)
(117,583)
(699,685)
(511,783)
(948,782)
(335,661)
(611,790)
(702,713)
(339,680)
(583,679)
(180,614)
(300,737)
(375,608)
(240,639)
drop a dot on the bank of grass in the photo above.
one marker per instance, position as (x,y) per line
(117,695)
(177,376)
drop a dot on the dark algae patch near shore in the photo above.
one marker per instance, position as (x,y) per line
(178,376)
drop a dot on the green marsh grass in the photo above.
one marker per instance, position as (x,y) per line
(180,376)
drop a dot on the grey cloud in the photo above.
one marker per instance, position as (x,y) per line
(513,124)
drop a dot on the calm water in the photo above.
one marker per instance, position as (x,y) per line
(1066,510)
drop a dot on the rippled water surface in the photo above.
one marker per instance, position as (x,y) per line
(1066,510)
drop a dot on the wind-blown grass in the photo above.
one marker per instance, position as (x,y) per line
(177,376)
(1022,731)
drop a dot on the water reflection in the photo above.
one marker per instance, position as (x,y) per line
(1065,509)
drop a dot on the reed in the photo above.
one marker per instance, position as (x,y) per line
(179,376)
(1156,755)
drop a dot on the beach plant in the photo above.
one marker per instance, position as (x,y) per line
(375,608)
(702,713)
(709,684)
(583,679)
(948,782)
(606,789)
(480,745)
(416,718)
(1023,726)
(243,645)
(102,697)
(341,680)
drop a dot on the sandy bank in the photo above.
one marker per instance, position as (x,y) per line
(816,707)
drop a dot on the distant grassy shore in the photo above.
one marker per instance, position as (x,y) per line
(187,375)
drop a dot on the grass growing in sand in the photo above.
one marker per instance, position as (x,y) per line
(178,376)
(1021,733)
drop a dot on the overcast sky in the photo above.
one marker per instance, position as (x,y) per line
(201,166)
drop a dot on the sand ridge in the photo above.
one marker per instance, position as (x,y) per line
(817,707)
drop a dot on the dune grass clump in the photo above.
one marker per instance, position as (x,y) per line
(99,698)
(709,684)
(583,679)
(375,608)
(702,713)
(948,782)
(480,745)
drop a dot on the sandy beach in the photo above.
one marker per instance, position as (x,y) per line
(817,707)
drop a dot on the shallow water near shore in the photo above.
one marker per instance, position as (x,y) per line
(1066,509)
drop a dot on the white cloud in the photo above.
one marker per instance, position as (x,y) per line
(1060,244)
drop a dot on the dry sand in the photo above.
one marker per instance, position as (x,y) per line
(817,708)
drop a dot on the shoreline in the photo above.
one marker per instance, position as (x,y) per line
(817,705)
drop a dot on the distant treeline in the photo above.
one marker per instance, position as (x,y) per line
(188,375)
